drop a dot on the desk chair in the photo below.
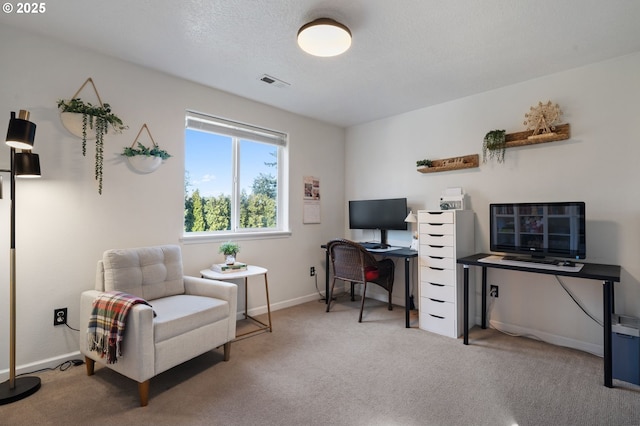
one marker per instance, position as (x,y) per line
(352,262)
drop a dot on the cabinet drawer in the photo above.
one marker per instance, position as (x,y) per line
(435,324)
(435,229)
(436,251)
(435,216)
(438,262)
(437,291)
(438,276)
(437,239)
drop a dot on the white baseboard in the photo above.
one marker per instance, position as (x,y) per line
(34,367)
(554,339)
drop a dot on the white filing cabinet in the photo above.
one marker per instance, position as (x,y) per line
(444,235)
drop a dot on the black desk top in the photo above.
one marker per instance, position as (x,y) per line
(399,252)
(593,271)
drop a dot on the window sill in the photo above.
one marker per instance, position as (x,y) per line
(204,237)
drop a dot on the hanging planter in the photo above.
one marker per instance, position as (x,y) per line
(144,159)
(494,145)
(89,122)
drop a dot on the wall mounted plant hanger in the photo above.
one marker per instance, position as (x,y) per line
(453,163)
(141,158)
(84,120)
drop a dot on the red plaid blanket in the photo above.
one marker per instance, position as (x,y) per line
(107,321)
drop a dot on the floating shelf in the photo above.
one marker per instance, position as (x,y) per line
(562,132)
(453,163)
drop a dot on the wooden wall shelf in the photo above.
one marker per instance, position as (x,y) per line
(562,132)
(453,163)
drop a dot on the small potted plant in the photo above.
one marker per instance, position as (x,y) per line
(230,250)
(144,159)
(494,145)
(77,116)
(424,163)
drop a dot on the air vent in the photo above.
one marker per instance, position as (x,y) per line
(274,81)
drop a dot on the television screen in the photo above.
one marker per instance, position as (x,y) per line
(554,229)
(387,214)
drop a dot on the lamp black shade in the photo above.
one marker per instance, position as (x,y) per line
(21,132)
(27,164)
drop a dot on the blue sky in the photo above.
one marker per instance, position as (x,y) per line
(208,162)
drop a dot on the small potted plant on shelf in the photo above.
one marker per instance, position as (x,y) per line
(230,250)
(494,145)
(145,159)
(424,163)
(77,117)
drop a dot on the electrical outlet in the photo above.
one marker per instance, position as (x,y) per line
(60,316)
(493,291)
(312,271)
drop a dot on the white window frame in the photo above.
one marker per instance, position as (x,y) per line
(207,123)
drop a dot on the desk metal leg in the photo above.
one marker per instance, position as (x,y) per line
(607,298)
(484,297)
(466,305)
(407,284)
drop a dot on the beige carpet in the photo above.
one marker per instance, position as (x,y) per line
(320,368)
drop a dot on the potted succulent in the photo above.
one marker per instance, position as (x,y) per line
(230,250)
(494,145)
(78,116)
(144,159)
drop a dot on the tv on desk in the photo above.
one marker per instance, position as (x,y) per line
(554,229)
(384,214)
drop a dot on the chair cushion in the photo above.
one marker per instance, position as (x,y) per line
(146,272)
(176,315)
(371,273)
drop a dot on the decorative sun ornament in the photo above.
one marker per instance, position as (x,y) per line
(543,119)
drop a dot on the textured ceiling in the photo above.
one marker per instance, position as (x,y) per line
(406,54)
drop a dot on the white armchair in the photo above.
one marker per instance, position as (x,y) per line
(193,315)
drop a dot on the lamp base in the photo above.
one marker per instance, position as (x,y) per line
(24,387)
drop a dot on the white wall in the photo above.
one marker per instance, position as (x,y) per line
(63,225)
(598,165)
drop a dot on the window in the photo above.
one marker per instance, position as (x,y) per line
(235,178)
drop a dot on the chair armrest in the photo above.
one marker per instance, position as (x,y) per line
(138,360)
(211,288)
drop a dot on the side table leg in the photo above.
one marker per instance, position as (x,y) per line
(266,289)
(246,298)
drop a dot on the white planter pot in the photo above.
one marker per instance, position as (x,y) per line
(72,121)
(144,164)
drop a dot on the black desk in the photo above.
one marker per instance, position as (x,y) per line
(608,274)
(404,253)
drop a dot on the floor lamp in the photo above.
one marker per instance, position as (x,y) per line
(20,137)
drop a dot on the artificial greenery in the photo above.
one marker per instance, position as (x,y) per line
(424,163)
(494,146)
(229,248)
(143,150)
(98,118)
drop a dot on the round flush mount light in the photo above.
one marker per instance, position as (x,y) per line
(324,37)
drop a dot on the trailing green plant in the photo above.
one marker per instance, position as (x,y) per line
(424,163)
(147,152)
(98,118)
(494,145)
(229,248)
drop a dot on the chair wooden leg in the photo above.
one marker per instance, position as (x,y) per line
(364,292)
(353,293)
(143,390)
(330,295)
(227,351)
(90,365)
(390,305)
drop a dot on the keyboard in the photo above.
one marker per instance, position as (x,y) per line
(548,264)
(374,246)
(533,260)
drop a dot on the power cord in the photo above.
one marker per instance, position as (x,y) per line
(62,367)
(68,326)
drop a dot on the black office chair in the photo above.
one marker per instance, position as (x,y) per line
(352,262)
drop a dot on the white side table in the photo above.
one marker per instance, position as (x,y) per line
(251,271)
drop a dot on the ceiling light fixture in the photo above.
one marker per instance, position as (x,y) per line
(324,37)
